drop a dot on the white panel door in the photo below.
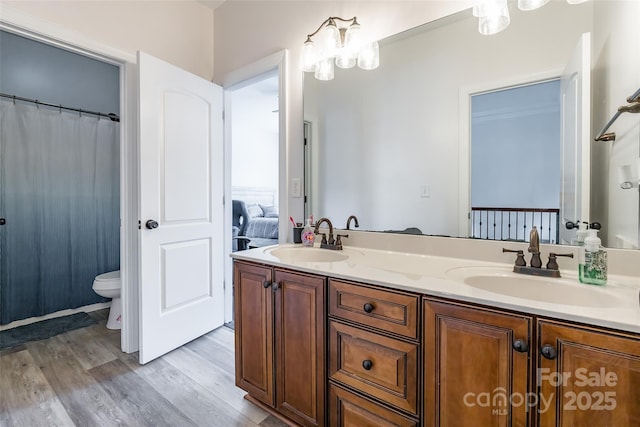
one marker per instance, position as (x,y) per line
(181,208)
(576,139)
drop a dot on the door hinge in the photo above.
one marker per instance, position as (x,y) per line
(222,114)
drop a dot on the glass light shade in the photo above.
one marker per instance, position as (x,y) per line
(352,40)
(309,57)
(527,5)
(493,16)
(332,42)
(324,71)
(490,25)
(369,56)
(345,59)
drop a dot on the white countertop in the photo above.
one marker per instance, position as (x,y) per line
(615,305)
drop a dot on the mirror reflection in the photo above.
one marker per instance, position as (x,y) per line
(395,146)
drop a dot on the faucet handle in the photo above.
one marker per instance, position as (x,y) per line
(520,262)
(553,263)
(339,240)
(324,238)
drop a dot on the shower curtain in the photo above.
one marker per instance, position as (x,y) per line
(59,195)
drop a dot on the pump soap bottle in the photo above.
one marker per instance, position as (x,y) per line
(592,268)
(308,236)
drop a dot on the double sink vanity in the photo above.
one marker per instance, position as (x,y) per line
(368,336)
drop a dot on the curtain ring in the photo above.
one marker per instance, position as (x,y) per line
(37,106)
(60,108)
(14,100)
(80,111)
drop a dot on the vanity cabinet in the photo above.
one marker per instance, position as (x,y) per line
(587,376)
(280,340)
(374,356)
(474,360)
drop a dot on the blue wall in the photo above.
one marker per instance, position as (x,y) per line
(39,71)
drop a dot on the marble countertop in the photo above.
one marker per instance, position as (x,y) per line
(616,305)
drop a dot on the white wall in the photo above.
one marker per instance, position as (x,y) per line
(247,31)
(402,120)
(179,32)
(616,45)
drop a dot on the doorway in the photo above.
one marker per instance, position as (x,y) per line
(258,85)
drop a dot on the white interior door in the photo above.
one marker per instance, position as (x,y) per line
(181,207)
(576,138)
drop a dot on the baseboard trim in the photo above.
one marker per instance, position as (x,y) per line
(30,320)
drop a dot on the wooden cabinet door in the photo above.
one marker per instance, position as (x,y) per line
(347,409)
(253,318)
(471,366)
(587,377)
(300,347)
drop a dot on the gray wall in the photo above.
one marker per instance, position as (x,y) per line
(35,70)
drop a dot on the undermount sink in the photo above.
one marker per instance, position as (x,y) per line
(305,254)
(555,291)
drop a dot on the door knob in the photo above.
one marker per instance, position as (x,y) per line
(151,224)
(3,221)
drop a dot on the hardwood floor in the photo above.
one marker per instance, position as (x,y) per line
(81,378)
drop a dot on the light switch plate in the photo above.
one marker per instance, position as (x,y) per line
(296,185)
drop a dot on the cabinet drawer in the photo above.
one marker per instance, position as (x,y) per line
(391,311)
(349,410)
(382,367)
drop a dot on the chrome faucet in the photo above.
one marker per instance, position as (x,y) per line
(353,217)
(329,243)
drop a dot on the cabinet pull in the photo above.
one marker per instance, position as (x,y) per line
(266,284)
(275,286)
(367,364)
(368,307)
(521,346)
(548,352)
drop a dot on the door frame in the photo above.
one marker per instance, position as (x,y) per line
(27,26)
(464,136)
(234,80)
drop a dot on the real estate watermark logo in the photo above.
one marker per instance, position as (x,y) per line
(595,393)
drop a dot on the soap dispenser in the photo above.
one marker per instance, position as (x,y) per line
(582,233)
(308,235)
(592,267)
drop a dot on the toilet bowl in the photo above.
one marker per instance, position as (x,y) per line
(108,285)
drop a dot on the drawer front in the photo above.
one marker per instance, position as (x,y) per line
(382,367)
(349,410)
(395,312)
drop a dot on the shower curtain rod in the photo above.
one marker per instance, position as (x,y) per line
(112,116)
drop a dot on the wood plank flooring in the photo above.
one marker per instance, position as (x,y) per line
(81,378)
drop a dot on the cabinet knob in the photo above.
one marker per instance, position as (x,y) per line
(368,307)
(275,286)
(521,346)
(548,352)
(266,284)
(367,364)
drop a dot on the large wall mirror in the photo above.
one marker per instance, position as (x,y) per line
(394,145)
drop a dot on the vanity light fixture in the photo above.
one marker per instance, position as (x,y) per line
(339,45)
(493,15)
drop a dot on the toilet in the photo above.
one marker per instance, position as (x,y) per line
(108,285)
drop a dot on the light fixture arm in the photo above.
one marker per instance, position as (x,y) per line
(328,20)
